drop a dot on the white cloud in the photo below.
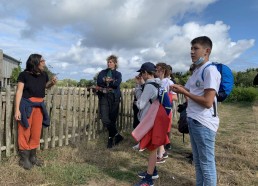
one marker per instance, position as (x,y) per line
(77,36)
(92,71)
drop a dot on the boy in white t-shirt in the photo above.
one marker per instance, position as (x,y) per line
(202,115)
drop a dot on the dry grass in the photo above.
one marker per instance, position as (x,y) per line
(90,163)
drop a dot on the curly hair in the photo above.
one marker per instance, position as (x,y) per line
(32,64)
(114,59)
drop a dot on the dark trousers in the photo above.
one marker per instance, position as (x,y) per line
(135,116)
(109,107)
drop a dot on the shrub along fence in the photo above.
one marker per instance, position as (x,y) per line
(73,117)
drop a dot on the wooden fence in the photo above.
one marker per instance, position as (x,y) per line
(73,117)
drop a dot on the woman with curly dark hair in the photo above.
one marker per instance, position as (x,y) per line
(30,110)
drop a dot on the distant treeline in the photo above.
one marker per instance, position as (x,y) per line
(242,79)
(244,89)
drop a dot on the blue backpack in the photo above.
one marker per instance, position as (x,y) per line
(163,97)
(227,80)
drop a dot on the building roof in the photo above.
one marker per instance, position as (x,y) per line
(11,58)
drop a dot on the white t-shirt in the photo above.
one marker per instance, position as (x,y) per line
(196,86)
(166,82)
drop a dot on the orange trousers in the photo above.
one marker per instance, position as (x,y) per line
(29,138)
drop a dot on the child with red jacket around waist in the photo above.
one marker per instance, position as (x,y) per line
(146,98)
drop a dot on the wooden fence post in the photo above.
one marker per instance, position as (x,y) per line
(61,121)
(14,127)
(95,107)
(73,115)
(2,124)
(53,118)
(90,115)
(68,110)
(86,122)
(49,99)
(8,121)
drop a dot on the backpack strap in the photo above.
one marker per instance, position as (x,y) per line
(155,85)
(204,69)
(214,104)
(215,110)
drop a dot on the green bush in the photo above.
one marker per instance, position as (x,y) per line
(247,94)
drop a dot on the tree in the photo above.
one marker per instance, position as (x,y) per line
(85,83)
(245,79)
(130,83)
(49,73)
(67,83)
(15,73)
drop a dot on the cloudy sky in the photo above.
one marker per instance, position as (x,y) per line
(76,36)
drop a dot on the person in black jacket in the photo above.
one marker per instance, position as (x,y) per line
(108,87)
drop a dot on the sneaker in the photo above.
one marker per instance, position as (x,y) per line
(190,158)
(145,182)
(110,143)
(136,147)
(168,146)
(118,139)
(154,176)
(165,155)
(160,160)
(141,150)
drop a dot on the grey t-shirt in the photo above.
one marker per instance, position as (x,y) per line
(150,92)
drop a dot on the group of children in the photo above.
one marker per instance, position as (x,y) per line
(146,93)
(200,90)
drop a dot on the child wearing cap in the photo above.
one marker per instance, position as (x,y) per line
(146,100)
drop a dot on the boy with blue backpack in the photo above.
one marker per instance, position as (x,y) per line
(204,88)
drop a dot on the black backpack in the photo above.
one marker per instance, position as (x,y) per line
(255,82)
(182,122)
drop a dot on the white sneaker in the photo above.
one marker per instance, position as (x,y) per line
(136,147)
(140,150)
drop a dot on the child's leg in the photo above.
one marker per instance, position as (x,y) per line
(152,162)
(161,151)
(168,135)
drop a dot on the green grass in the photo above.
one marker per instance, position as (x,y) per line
(90,163)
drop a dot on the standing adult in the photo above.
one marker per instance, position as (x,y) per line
(108,86)
(203,123)
(30,110)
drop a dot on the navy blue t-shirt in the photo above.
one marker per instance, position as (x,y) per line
(34,85)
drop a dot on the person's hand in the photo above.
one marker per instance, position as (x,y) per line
(177,88)
(108,79)
(139,80)
(53,80)
(17,115)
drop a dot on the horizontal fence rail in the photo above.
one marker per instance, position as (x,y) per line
(73,115)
